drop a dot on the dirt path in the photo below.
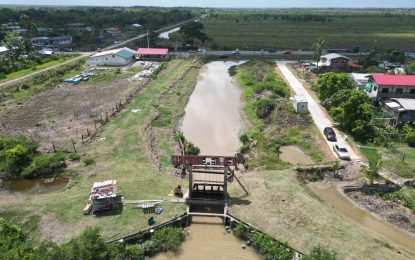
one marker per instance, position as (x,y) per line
(319,117)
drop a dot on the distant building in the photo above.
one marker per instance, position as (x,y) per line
(113,30)
(384,86)
(152,54)
(136,26)
(55,43)
(335,62)
(116,57)
(359,79)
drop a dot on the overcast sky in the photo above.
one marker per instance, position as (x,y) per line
(227,3)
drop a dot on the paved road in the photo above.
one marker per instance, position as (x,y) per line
(320,118)
(255,53)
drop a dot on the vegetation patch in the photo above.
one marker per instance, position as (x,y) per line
(405,196)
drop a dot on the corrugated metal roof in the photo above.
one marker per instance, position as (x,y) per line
(331,56)
(406,103)
(152,51)
(394,80)
(125,53)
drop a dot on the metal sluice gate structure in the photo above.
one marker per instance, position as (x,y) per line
(208,182)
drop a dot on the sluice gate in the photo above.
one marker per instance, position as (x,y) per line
(208,182)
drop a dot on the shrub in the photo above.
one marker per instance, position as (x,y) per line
(16,153)
(244,139)
(88,161)
(192,149)
(319,253)
(165,239)
(244,148)
(270,248)
(45,164)
(406,196)
(410,138)
(2,76)
(74,157)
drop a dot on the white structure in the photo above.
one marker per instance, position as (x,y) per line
(3,50)
(116,57)
(300,103)
(359,79)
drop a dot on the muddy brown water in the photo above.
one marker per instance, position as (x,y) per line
(212,118)
(36,185)
(380,228)
(208,239)
(294,155)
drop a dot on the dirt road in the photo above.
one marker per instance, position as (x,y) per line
(316,111)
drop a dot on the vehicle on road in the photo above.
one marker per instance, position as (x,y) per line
(272,51)
(329,134)
(341,152)
(288,52)
(235,52)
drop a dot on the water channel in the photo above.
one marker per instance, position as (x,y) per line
(366,220)
(212,122)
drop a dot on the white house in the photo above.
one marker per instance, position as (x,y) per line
(3,50)
(384,86)
(359,79)
(116,57)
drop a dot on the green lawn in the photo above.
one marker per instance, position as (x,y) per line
(123,156)
(289,29)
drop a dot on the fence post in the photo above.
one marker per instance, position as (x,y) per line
(73,145)
(101,120)
(106,116)
(403,157)
(87,132)
(54,148)
(82,136)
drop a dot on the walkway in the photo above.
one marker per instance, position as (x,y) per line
(316,111)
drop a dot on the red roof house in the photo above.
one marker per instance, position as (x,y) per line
(391,86)
(152,54)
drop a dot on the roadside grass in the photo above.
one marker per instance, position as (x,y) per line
(282,126)
(30,222)
(400,161)
(287,29)
(123,156)
(24,72)
(282,206)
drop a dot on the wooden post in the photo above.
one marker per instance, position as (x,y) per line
(403,157)
(82,136)
(87,132)
(106,116)
(73,145)
(54,148)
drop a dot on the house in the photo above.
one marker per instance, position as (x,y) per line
(136,26)
(400,110)
(152,54)
(335,62)
(116,57)
(300,103)
(59,42)
(384,86)
(3,50)
(359,79)
(113,30)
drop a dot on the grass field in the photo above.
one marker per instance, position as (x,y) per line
(123,156)
(298,29)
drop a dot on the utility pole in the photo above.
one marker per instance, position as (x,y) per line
(148,40)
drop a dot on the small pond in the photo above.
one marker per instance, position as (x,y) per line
(294,155)
(35,185)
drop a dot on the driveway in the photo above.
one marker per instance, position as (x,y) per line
(316,111)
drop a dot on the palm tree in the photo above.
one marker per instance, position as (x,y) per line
(319,45)
(371,172)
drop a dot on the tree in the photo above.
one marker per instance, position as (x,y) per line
(27,24)
(319,45)
(192,31)
(371,172)
(330,83)
(410,69)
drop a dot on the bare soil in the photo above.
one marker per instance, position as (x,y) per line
(65,112)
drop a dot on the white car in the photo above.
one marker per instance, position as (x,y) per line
(341,152)
(236,52)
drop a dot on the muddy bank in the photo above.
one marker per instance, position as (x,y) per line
(294,155)
(391,211)
(332,194)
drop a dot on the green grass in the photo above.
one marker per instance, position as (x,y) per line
(24,72)
(124,156)
(248,29)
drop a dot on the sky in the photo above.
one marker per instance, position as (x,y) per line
(228,3)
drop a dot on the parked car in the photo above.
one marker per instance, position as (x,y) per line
(288,52)
(330,134)
(341,152)
(236,52)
